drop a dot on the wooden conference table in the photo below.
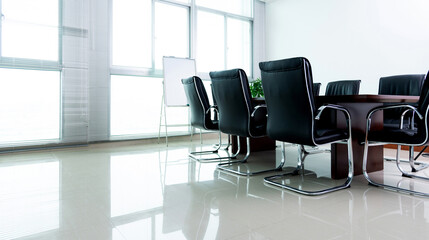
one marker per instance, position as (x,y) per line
(359,106)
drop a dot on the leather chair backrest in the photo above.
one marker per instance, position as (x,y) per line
(289,97)
(410,85)
(198,101)
(424,96)
(423,107)
(316,89)
(401,85)
(232,94)
(344,87)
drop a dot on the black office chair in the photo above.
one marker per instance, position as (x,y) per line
(409,85)
(293,116)
(344,87)
(238,115)
(201,113)
(316,89)
(401,136)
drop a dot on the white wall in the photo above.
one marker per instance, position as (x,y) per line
(351,39)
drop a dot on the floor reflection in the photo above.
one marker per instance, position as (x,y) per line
(126,192)
(29,198)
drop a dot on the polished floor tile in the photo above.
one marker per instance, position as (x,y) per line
(150,191)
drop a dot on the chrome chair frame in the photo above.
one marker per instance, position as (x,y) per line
(270,180)
(194,156)
(413,163)
(224,166)
(398,161)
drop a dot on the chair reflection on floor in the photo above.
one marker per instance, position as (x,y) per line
(292,116)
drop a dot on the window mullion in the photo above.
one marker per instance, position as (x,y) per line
(153,34)
(1,28)
(225,30)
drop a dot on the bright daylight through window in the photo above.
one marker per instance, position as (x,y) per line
(144,31)
(29,99)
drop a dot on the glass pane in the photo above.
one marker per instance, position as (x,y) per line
(30,29)
(132,105)
(171,32)
(21,40)
(43,12)
(239,7)
(136,107)
(238,45)
(183,1)
(132,38)
(31,101)
(210,42)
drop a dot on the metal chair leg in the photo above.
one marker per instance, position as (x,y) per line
(314,151)
(194,155)
(415,166)
(300,167)
(404,173)
(226,166)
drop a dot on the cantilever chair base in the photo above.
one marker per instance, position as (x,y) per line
(403,173)
(195,155)
(315,150)
(421,165)
(225,166)
(297,172)
(398,161)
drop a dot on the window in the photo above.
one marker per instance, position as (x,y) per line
(135,106)
(143,31)
(171,37)
(139,42)
(238,44)
(210,42)
(29,29)
(132,41)
(29,98)
(223,43)
(238,7)
(31,101)
(132,105)
(133,44)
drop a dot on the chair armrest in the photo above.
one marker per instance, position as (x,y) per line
(401,126)
(214,108)
(332,106)
(341,109)
(257,108)
(409,107)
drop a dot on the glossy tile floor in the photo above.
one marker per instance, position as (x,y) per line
(148,191)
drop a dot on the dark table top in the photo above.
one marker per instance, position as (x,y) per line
(371,98)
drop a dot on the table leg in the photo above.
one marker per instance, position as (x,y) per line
(358,112)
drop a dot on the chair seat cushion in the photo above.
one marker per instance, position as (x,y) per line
(327,135)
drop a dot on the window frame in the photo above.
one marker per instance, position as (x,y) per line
(192,48)
(227,15)
(41,65)
(152,71)
(34,64)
